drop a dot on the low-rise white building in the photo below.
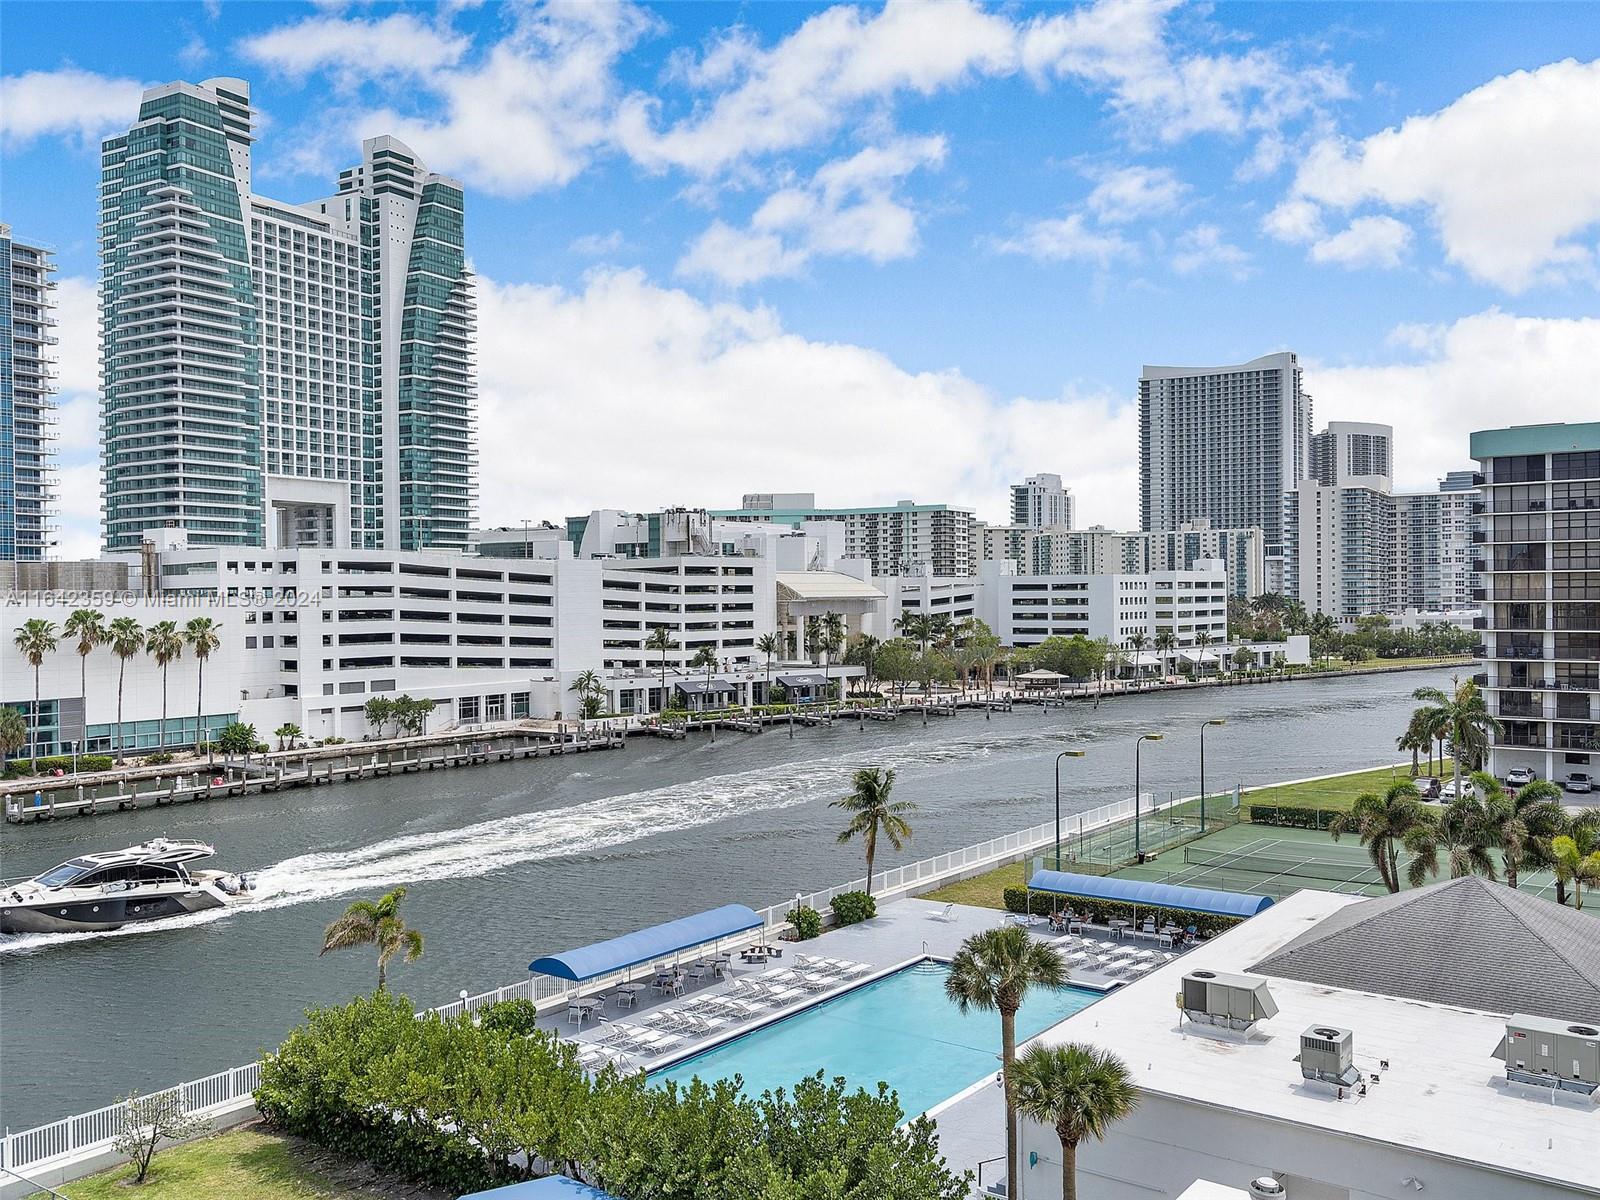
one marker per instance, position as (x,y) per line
(1023,610)
(1423,982)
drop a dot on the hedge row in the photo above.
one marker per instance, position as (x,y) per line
(464,1106)
(852,907)
(1103,911)
(1290,816)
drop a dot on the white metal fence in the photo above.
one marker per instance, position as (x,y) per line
(91,1132)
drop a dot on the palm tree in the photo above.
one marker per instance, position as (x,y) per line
(1382,823)
(89,627)
(587,686)
(1461,833)
(164,643)
(202,636)
(1164,643)
(1463,717)
(992,971)
(1080,1091)
(1575,856)
(862,651)
(661,640)
(35,638)
(1583,827)
(705,657)
(1417,738)
(377,924)
(125,636)
(1517,823)
(830,640)
(287,732)
(767,644)
(13,732)
(875,814)
(915,626)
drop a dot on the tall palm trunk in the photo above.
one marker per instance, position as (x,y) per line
(1008,1054)
(199,704)
(121,671)
(1069,1169)
(163,745)
(872,852)
(35,755)
(380,972)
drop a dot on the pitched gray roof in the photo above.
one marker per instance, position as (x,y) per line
(1466,942)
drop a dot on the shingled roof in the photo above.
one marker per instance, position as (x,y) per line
(1464,942)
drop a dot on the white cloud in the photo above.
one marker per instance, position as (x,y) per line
(1294,220)
(1164,94)
(1367,242)
(597,245)
(847,209)
(806,86)
(558,365)
(1485,371)
(1129,193)
(71,103)
(1203,248)
(353,49)
(1067,239)
(1507,174)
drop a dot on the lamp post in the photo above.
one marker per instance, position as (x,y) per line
(1138,745)
(1059,757)
(1204,725)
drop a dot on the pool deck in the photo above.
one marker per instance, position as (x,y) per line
(971,1125)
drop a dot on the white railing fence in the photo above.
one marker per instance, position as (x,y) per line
(91,1132)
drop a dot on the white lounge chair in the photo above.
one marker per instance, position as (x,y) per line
(947,913)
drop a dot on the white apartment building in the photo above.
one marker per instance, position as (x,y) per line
(893,538)
(1024,610)
(1101,551)
(1041,502)
(280,374)
(923,593)
(1223,443)
(1433,544)
(1417,990)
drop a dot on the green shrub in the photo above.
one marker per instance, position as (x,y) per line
(1101,911)
(852,907)
(237,738)
(807,923)
(64,762)
(517,1018)
(159,759)
(1290,816)
(461,1107)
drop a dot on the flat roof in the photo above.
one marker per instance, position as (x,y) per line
(1443,1094)
(1558,437)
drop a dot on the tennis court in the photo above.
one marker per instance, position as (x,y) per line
(1275,862)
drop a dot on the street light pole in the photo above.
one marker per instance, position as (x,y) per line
(1204,725)
(1059,757)
(1138,745)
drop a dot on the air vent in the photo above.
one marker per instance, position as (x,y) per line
(1551,1054)
(1327,1055)
(1235,1002)
(1267,1188)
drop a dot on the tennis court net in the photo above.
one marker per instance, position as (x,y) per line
(1270,864)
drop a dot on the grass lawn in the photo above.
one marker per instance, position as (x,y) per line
(1373,663)
(245,1164)
(983,891)
(1338,793)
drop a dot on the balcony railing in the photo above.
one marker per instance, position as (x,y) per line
(1523,741)
(1578,742)
(1522,710)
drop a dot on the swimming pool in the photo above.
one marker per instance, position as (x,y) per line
(899,1029)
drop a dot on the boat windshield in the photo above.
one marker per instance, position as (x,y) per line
(64,874)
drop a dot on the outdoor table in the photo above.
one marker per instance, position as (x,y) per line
(629,992)
(1119,927)
(583,1009)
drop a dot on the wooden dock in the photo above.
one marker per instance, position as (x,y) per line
(233,777)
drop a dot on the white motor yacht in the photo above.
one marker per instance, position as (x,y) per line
(119,887)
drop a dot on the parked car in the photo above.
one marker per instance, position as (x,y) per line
(1518,776)
(1428,787)
(1448,791)
(1578,781)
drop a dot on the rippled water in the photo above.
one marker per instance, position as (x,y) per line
(507,861)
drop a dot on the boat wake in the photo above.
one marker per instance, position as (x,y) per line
(581,829)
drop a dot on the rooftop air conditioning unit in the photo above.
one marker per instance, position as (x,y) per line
(1327,1055)
(1235,1002)
(1552,1054)
(1265,1187)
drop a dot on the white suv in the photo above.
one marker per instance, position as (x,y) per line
(1578,781)
(1518,776)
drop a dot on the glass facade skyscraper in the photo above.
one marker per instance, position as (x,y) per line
(281,374)
(26,461)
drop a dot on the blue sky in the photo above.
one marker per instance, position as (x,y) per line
(905,251)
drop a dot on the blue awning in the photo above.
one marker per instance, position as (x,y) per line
(551,1187)
(647,945)
(1155,895)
